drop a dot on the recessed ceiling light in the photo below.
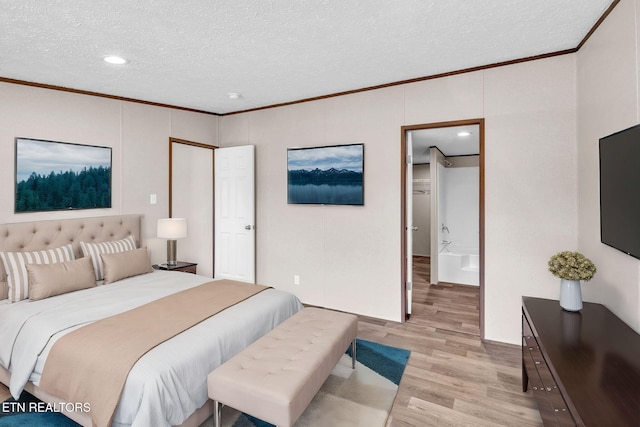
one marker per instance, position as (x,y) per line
(233,95)
(464,133)
(116,60)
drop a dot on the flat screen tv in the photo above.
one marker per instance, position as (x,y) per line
(620,191)
(331,175)
(53,175)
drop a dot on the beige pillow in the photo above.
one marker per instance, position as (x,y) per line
(121,265)
(47,280)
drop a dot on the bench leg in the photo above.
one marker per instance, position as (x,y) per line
(353,354)
(217,408)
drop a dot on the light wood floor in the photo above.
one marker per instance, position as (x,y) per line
(452,378)
(446,305)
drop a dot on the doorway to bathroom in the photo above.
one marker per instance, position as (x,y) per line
(443,225)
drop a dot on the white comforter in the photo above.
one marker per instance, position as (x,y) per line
(169,382)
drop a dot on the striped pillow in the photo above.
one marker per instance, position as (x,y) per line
(15,266)
(94,250)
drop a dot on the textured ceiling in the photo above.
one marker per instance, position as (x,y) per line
(193,53)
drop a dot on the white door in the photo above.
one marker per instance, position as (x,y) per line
(234,188)
(409,221)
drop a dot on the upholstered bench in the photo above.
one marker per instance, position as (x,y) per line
(276,377)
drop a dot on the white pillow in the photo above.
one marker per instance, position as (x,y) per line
(94,250)
(14,265)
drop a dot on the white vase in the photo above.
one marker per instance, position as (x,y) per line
(570,295)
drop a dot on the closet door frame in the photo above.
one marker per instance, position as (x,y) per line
(184,142)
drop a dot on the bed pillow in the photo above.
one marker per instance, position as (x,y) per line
(15,266)
(118,266)
(94,250)
(47,280)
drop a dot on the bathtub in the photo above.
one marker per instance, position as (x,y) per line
(459,264)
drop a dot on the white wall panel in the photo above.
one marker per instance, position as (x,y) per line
(607,103)
(530,184)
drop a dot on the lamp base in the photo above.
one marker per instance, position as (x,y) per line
(172,249)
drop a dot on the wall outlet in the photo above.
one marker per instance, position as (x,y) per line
(296,279)
(153,199)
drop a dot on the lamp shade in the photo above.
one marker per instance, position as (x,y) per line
(172,228)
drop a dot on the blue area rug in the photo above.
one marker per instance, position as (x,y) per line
(360,397)
(348,398)
(30,412)
(385,360)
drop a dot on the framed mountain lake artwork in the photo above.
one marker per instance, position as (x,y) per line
(330,175)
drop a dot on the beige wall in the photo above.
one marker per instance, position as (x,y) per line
(348,258)
(139,135)
(607,102)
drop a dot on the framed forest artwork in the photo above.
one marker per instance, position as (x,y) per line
(54,175)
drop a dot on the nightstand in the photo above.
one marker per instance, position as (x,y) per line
(186,267)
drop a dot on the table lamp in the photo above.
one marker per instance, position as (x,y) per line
(172,229)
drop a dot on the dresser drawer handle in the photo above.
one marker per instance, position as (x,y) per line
(535,388)
(537,362)
(549,389)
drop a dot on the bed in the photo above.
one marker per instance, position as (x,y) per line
(166,386)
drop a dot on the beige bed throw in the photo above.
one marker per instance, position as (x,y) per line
(91,364)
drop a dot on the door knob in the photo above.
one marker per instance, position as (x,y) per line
(414,228)
(247,227)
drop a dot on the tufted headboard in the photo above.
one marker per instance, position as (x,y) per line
(39,235)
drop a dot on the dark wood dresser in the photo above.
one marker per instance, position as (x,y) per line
(583,368)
